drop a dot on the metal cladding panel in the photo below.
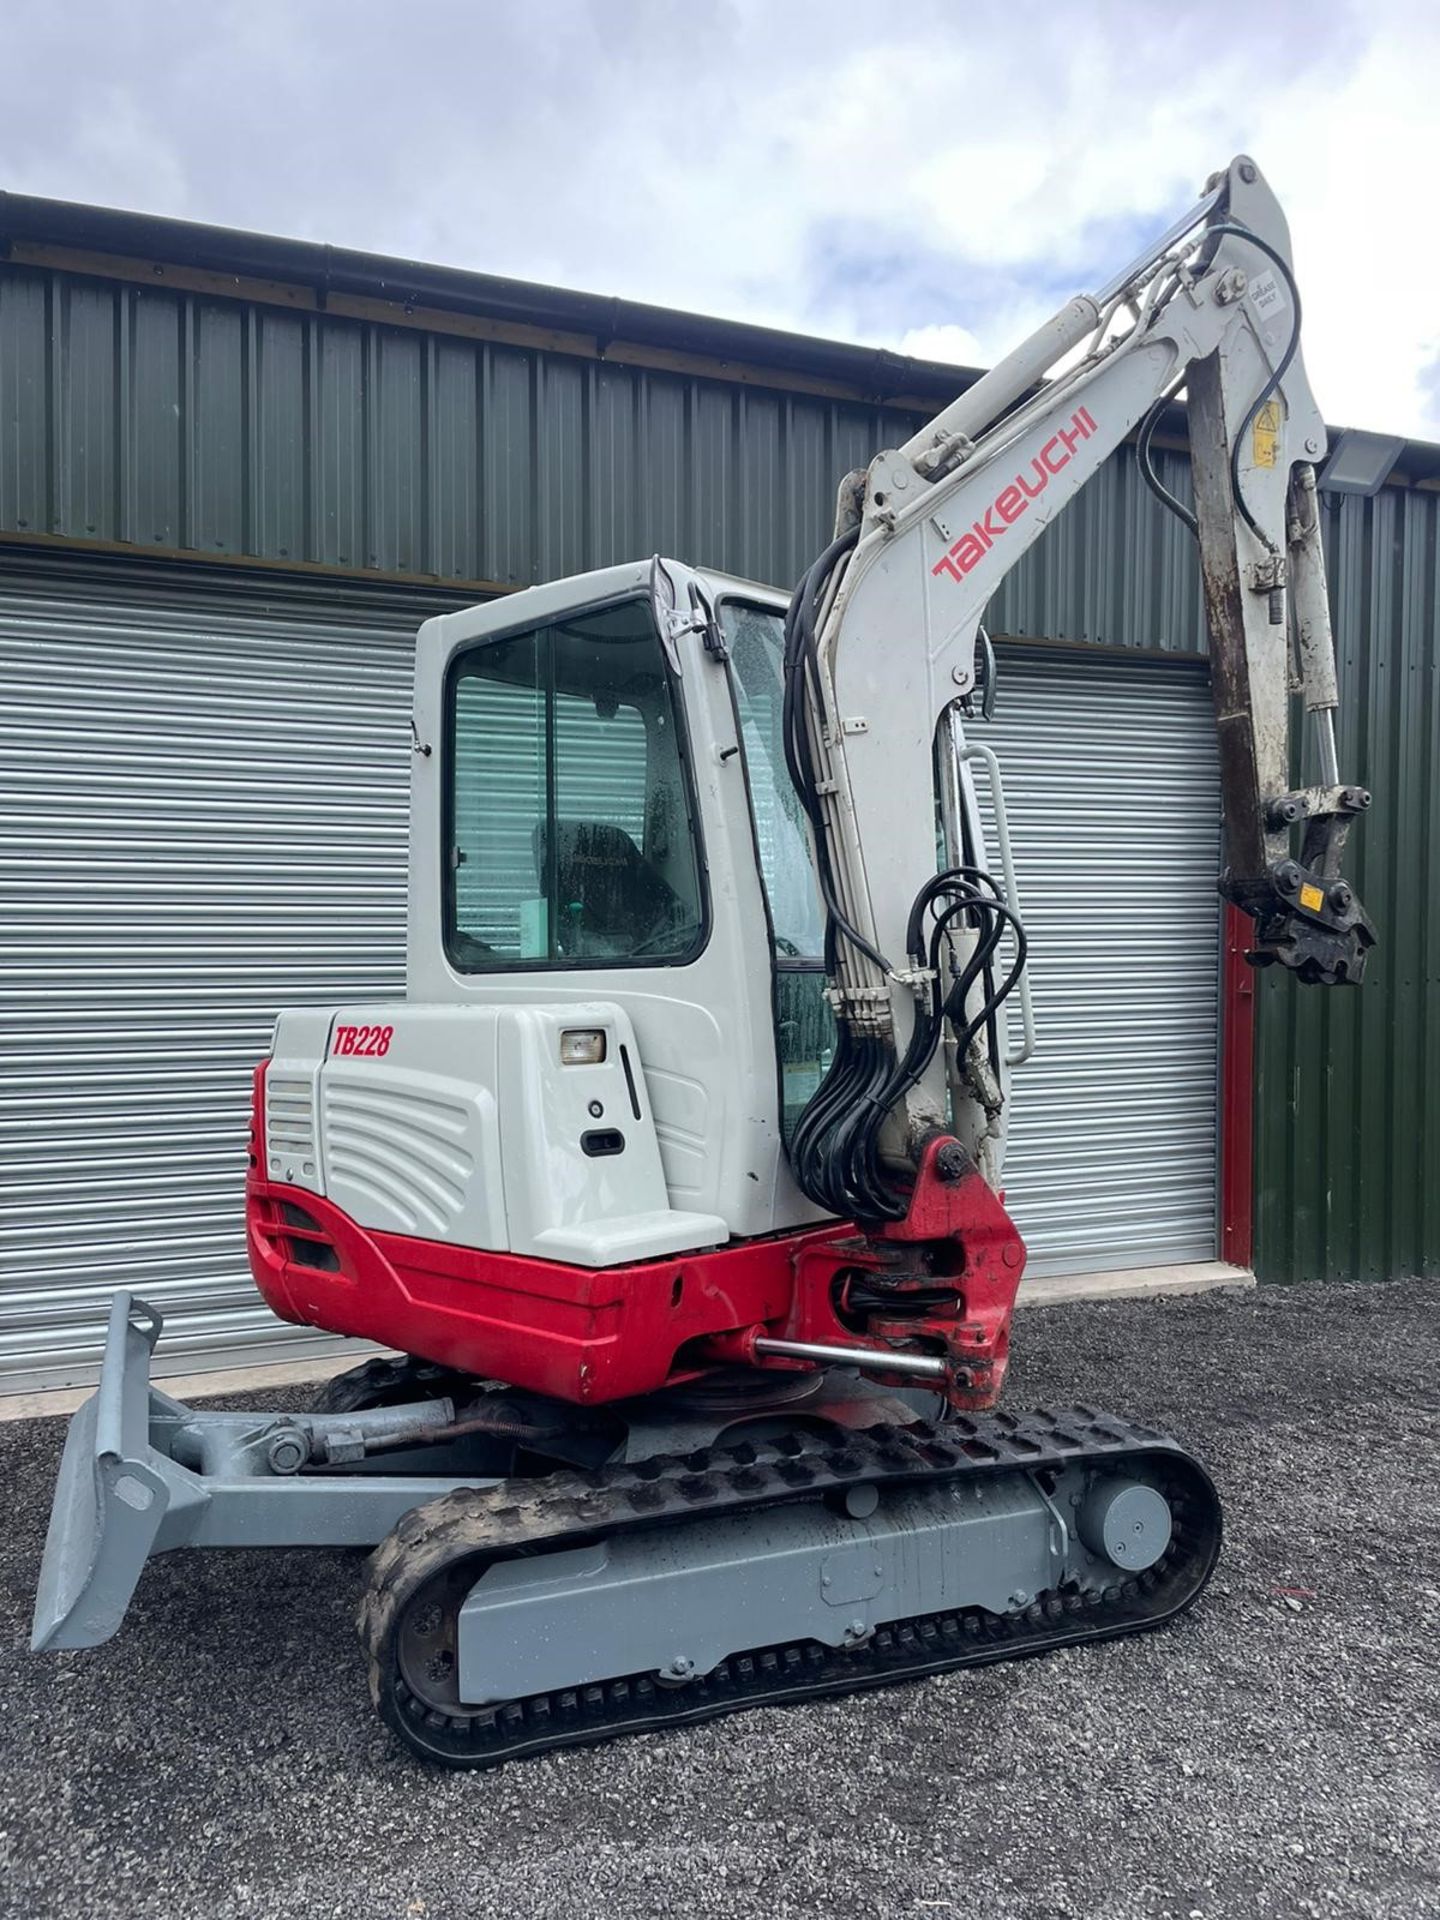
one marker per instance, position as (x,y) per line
(1112,792)
(189,422)
(1348,1100)
(205,791)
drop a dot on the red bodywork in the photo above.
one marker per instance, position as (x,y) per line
(1237,1092)
(941,1281)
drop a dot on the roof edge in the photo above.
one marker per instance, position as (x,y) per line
(877,373)
(327,269)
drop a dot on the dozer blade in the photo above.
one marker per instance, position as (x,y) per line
(111,1496)
(142,1474)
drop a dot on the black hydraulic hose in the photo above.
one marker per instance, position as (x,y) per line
(799,661)
(862,1132)
(835,1150)
(996,997)
(967,844)
(1282,367)
(1147,464)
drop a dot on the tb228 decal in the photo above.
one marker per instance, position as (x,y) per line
(372,1042)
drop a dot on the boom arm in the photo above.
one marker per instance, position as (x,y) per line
(881,645)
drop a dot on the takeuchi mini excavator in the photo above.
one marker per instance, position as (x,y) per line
(675,1177)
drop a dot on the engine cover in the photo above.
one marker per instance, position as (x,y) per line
(465,1125)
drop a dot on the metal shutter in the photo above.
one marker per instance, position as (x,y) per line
(203,788)
(1112,792)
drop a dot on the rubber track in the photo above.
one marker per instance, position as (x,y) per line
(571,1507)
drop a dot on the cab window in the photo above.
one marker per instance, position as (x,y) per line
(572,832)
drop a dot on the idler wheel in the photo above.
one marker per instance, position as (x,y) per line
(1126,1523)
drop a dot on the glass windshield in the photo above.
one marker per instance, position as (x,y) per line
(804,1024)
(755,637)
(572,834)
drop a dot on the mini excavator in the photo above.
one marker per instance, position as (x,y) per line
(674,1181)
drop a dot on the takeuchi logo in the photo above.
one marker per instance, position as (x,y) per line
(1012,503)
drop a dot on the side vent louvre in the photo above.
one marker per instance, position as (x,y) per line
(405,1152)
(289,1116)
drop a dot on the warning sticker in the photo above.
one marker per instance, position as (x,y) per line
(1312,898)
(1267,434)
(1268,296)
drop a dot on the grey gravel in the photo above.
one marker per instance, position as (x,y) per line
(1273,1754)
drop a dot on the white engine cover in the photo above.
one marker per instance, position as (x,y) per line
(462,1124)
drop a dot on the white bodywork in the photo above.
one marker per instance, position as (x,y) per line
(411,1141)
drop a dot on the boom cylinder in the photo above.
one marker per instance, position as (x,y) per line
(1307,589)
(1011,377)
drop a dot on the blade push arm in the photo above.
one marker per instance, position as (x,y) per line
(881,642)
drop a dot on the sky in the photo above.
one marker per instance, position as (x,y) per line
(932,176)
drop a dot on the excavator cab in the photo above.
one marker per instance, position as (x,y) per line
(601,810)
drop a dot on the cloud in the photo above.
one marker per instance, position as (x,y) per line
(930,174)
(957,345)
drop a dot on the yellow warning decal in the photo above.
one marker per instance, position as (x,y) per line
(1267,434)
(1312,898)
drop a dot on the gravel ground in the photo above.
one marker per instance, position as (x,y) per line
(1268,1755)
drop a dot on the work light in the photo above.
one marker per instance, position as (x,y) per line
(582,1046)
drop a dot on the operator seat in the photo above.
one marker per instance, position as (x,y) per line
(611,899)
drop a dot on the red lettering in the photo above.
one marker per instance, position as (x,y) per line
(1072,440)
(367,1042)
(1042,480)
(966,553)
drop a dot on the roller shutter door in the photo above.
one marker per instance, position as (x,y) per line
(1112,792)
(203,789)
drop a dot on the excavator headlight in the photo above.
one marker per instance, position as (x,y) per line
(582,1046)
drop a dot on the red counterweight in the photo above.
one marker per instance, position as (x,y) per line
(941,1282)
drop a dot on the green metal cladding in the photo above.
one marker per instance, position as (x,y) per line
(222,428)
(166,421)
(1347,1114)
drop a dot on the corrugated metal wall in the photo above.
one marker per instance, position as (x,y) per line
(1348,1103)
(176,421)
